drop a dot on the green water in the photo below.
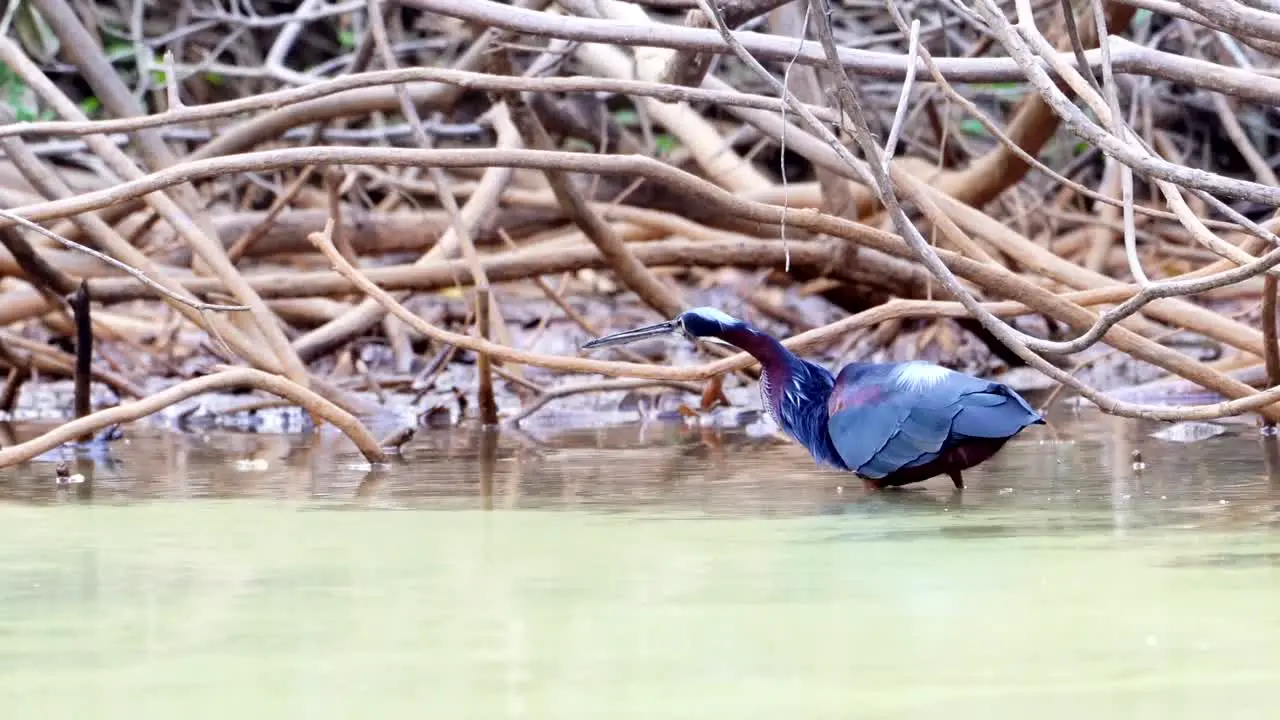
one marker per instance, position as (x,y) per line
(676,575)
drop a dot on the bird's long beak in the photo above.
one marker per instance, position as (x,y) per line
(629,336)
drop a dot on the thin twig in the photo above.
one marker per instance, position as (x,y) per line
(378,78)
(900,114)
(595,387)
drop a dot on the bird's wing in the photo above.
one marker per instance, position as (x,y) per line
(992,413)
(878,423)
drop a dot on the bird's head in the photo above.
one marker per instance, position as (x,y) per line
(704,322)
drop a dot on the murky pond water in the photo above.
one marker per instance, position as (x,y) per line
(646,573)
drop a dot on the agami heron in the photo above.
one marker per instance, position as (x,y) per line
(889,423)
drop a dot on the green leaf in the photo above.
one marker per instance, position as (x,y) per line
(970,126)
(626,117)
(665,143)
(116,47)
(90,105)
(215,79)
(17,93)
(347,39)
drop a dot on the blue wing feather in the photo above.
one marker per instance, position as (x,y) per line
(928,430)
(880,424)
(860,432)
(990,415)
(919,438)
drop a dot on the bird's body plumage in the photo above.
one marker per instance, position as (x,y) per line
(890,423)
(897,423)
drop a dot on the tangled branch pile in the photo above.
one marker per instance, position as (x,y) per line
(356,195)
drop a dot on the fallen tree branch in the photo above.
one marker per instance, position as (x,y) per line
(58,284)
(630,272)
(203,240)
(47,358)
(797,343)
(877,175)
(938,263)
(1126,57)
(226,379)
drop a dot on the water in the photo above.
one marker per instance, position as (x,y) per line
(656,573)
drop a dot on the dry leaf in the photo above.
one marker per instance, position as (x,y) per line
(713,394)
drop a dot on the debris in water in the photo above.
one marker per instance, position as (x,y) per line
(447,409)
(398,438)
(1138,463)
(62,476)
(1189,432)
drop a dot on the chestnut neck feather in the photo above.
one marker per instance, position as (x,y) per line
(773,356)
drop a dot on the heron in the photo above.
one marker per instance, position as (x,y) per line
(891,424)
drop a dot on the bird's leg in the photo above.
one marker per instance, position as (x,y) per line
(870,485)
(956,479)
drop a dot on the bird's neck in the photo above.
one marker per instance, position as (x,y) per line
(771,353)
